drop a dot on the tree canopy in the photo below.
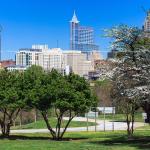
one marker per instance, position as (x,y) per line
(67,95)
(132,74)
(12,98)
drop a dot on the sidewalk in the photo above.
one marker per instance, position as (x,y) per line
(109,126)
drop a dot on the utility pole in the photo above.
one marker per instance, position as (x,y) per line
(87,117)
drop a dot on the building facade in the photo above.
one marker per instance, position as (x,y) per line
(40,55)
(28,57)
(78,62)
(52,58)
(56,58)
(6,63)
(147,25)
(81,38)
(147,22)
(112,54)
(16,68)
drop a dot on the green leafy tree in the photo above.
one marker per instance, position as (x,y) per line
(11,99)
(67,95)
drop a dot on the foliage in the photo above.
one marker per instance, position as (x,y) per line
(67,95)
(132,74)
(103,89)
(11,99)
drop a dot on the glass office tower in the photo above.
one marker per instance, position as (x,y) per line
(74,37)
(81,38)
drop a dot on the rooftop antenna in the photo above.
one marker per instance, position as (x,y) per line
(0,41)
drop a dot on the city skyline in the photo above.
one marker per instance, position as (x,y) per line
(28,23)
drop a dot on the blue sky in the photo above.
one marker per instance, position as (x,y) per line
(27,22)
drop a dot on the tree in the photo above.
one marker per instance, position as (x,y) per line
(67,95)
(11,99)
(125,97)
(131,76)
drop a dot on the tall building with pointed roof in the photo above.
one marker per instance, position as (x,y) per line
(74,18)
(81,38)
(74,32)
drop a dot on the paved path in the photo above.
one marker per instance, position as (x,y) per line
(99,127)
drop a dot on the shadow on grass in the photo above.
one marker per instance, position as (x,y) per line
(20,137)
(136,141)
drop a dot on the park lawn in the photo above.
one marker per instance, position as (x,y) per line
(79,141)
(41,124)
(146,127)
(121,117)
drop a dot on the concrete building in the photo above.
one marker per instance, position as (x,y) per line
(28,57)
(147,22)
(63,61)
(146,27)
(52,58)
(6,63)
(16,68)
(112,54)
(40,55)
(78,62)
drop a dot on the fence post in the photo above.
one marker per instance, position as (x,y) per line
(87,122)
(104,119)
(95,121)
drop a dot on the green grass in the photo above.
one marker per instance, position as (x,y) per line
(121,117)
(79,141)
(41,124)
(146,127)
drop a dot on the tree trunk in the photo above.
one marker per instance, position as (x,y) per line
(129,125)
(128,128)
(5,129)
(53,133)
(61,136)
(7,121)
(132,119)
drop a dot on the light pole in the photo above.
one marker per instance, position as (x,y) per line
(0,42)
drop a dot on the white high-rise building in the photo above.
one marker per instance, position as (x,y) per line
(28,57)
(40,55)
(52,58)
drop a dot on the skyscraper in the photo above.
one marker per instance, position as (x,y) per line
(74,33)
(81,38)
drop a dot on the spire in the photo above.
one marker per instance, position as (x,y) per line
(74,18)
